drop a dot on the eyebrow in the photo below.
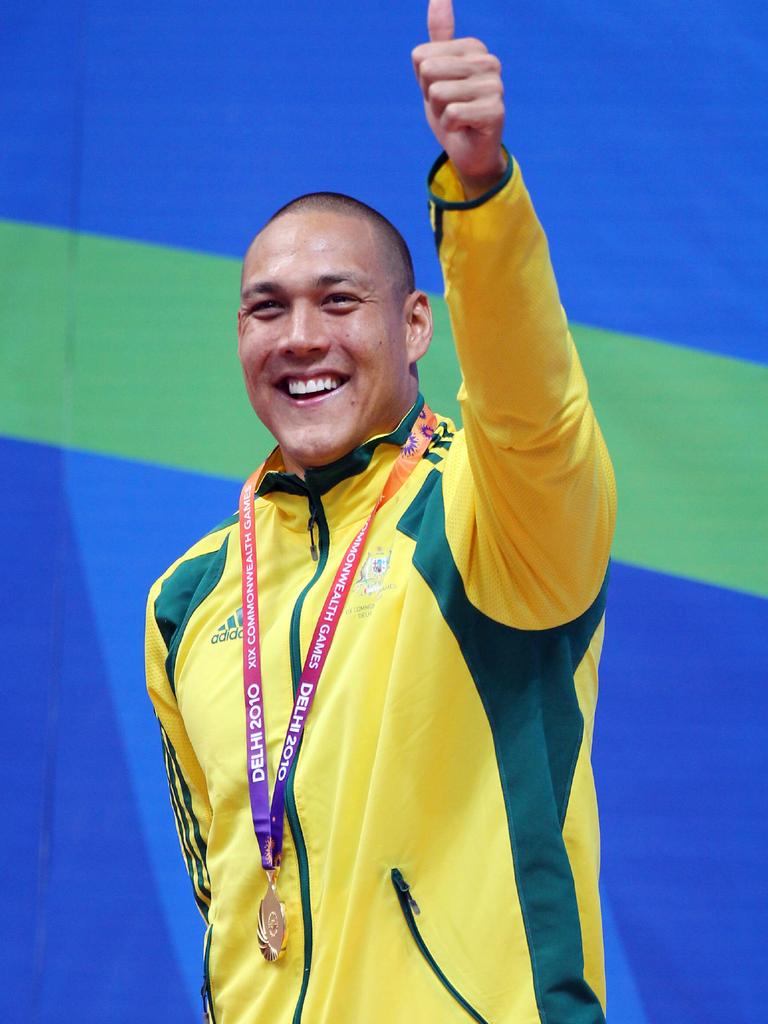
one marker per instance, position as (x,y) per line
(259,288)
(344,276)
(323,281)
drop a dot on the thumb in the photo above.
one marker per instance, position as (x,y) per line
(440,20)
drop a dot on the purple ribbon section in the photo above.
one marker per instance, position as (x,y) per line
(268,819)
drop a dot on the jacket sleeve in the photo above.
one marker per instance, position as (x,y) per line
(529,492)
(186,780)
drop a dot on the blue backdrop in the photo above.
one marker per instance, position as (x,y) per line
(643,137)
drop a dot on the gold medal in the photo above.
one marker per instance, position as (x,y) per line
(273,931)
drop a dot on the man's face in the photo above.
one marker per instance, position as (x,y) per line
(327,342)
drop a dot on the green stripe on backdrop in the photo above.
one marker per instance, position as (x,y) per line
(129,349)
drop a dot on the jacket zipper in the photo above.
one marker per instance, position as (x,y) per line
(205,992)
(311,527)
(409,907)
(316,518)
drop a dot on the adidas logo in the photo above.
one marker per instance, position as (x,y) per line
(232,629)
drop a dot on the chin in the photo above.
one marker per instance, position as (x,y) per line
(315,457)
(319,459)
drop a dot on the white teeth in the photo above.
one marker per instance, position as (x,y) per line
(309,387)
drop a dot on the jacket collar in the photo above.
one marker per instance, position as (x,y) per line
(348,488)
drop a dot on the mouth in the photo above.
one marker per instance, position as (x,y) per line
(313,388)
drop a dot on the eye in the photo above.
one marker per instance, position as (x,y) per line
(340,300)
(265,308)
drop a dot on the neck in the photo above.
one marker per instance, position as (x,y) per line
(292,465)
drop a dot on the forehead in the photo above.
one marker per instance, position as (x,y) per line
(313,243)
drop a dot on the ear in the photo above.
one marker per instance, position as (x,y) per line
(418,325)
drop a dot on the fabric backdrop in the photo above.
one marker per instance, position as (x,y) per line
(142,145)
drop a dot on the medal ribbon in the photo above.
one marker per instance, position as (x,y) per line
(268,819)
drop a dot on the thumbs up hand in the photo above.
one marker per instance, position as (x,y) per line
(463,100)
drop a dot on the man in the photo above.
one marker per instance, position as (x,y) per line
(440,592)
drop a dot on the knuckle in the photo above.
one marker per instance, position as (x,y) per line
(450,118)
(437,90)
(420,53)
(492,85)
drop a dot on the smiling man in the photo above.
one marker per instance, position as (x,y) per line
(330,328)
(376,683)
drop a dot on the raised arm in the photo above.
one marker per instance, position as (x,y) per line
(530,504)
(463,100)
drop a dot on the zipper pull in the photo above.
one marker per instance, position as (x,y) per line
(405,889)
(311,528)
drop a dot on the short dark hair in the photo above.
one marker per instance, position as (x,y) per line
(395,247)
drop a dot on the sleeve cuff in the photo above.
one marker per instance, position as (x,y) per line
(444,185)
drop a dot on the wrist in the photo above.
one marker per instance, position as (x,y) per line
(477,185)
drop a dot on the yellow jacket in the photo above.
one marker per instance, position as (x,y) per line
(441,846)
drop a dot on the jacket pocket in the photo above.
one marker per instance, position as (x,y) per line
(410,908)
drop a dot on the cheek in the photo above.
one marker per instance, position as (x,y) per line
(250,377)
(258,390)
(252,355)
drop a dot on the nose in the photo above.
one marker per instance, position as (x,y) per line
(304,334)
